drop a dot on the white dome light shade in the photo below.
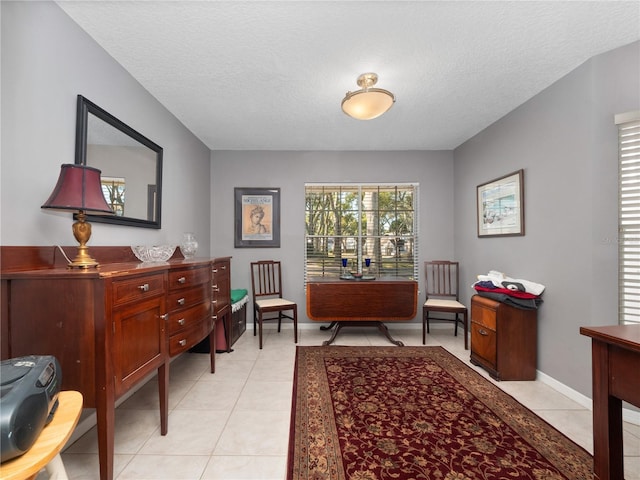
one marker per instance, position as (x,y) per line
(368,103)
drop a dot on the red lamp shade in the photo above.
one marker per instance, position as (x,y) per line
(78,188)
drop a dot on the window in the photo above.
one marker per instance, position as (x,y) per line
(629,218)
(113,189)
(357,222)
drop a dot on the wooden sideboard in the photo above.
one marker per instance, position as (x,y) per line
(111,326)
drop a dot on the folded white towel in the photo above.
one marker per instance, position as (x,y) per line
(531,287)
(494,277)
(497,278)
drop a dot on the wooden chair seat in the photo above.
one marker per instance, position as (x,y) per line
(274,303)
(437,303)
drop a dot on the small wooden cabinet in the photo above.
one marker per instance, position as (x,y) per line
(238,323)
(503,339)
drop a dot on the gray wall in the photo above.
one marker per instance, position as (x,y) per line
(291,170)
(566,142)
(47,60)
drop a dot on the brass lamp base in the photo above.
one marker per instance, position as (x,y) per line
(82,233)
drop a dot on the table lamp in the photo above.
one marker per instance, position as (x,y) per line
(79,188)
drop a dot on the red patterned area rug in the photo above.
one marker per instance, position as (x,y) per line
(373,413)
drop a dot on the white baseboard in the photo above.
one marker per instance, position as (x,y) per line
(628,415)
(563,389)
(88,418)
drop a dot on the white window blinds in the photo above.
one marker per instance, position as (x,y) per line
(629,218)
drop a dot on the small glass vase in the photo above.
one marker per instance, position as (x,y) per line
(189,245)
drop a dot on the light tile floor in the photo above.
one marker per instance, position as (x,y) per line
(234,424)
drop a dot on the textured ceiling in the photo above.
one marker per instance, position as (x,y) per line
(261,75)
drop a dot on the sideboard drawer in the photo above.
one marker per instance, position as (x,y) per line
(138,288)
(184,319)
(188,338)
(188,278)
(192,296)
(221,284)
(189,308)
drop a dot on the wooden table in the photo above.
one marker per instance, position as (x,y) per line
(616,363)
(46,451)
(361,303)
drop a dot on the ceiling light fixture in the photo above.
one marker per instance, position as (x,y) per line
(368,103)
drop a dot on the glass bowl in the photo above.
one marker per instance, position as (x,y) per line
(156,253)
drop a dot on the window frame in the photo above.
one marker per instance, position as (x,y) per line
(628,218)
(405,246)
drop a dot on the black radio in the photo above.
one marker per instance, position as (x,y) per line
(29,388)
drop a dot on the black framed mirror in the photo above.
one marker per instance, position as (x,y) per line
(131,166)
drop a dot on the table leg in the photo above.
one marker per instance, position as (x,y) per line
(385,331)
(228,327)
(163,392)
(608,460)
(338,326)
(105,416)
(212,347)
(328,327)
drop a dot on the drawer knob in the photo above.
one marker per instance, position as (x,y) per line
(144,288)
(215,270)
(165,316)
(215,317)
(482,332)
(224,267)
(181,301)
(182,342)
(181,321)
(214,301)
(182,280)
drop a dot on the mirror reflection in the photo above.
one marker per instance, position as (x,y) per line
(131,166)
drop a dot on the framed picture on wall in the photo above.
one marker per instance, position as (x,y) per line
(257,217)
(501,206)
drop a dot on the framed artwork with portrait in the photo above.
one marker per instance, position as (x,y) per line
(257,217)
